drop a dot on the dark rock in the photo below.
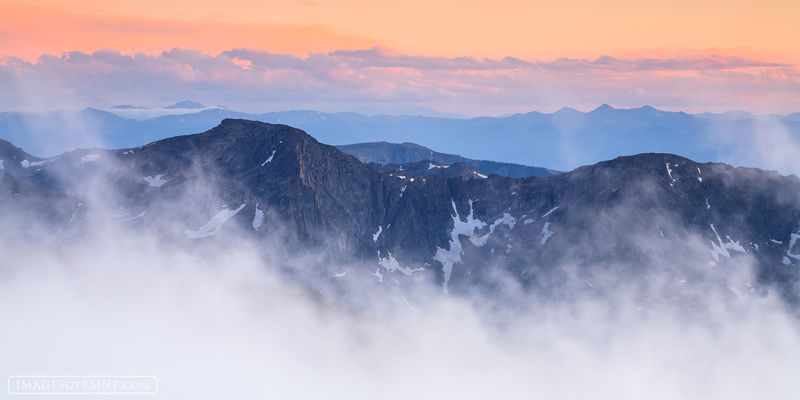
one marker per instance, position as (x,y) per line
(630,217)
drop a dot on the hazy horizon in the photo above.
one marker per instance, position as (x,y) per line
(165,109)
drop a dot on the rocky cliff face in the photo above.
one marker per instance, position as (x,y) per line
(466,230)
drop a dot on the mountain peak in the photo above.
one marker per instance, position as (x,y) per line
(232,122)
(249,130)
(739,114)
(604,108)
(186,104)
(567,110)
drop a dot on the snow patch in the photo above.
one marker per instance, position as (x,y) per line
(377,234)
(792,242)
(2,164)
(708,205)
(214,225)
(26,163)
(378,274)
(432,166)
(506,219)
(528,221)
(448,258)
(390,264)
(480,175)
(669,174)
(125,218)
(156,181)
(339,275)
(550,212)
(546,233)
(269,160)
(724,248)
(776,241)
(258,218)
(74,213)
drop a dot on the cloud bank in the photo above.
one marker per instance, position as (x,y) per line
(385,80)
(211,323)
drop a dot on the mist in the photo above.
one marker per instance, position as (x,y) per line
(224,321)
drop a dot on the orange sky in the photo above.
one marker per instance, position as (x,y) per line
(535,30)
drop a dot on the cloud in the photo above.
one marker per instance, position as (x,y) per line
(695,63)
(29,30)
(228,326)
(255,80)
(221,319)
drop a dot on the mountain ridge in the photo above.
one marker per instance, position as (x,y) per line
(278,184)
(404,153)
(561,141)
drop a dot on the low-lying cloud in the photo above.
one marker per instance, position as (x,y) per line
(213,323)
(385,79)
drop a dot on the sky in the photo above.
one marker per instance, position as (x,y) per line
(468,57)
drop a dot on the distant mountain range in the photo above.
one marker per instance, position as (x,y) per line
(561,141)
(631,216)
(396,155)
(186,104)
